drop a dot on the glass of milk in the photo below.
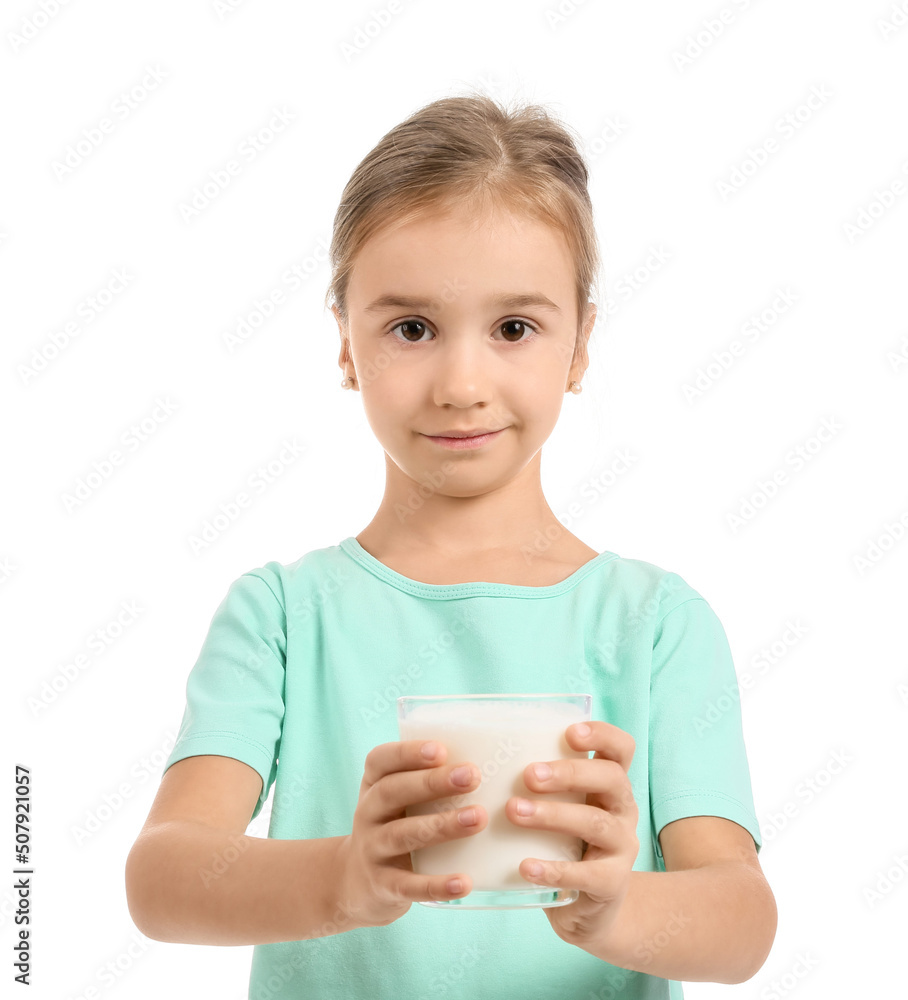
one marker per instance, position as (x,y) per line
(501,734)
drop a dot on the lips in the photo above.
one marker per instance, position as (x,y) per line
(474,432)
(464,442)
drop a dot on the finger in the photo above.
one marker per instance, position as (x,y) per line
(412,833)
(598,827)
(606,779)
(587,878)
(608,741)
(429,888)
(402,755)
(424,791)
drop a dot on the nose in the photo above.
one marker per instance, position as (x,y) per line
(463,373)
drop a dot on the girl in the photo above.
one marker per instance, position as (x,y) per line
(463,256)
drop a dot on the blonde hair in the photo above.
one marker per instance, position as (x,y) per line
(469,151)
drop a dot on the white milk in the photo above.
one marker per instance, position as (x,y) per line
(501,739)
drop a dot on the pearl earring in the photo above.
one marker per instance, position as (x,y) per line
(575,388)
(349,379)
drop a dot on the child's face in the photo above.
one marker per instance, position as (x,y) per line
(458,360)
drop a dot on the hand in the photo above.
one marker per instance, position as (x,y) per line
(607,822)
(378,884)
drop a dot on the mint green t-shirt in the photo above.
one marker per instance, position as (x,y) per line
(299,677)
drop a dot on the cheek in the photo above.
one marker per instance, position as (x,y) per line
(386,401)
(541,394)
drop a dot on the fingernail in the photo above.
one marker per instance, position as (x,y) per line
(525,807)
(542,771)
(582,730)
(462,775)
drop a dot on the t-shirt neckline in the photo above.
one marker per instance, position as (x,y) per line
(477,589)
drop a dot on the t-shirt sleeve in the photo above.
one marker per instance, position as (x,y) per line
(235,691)
(697,757)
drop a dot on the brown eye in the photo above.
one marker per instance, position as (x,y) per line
(407,326)
(517,334)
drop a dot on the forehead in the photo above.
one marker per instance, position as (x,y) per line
(456,251)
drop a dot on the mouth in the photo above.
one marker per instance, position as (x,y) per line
(464,440)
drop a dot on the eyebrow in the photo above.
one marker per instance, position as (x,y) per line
(515,301)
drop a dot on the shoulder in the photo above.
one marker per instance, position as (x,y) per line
(287,580)
(659,591)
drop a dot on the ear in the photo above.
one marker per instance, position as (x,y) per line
(581,355)
(344,356)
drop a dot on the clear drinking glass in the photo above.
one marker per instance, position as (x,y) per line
(500,734)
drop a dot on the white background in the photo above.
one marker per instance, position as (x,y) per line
(826,552)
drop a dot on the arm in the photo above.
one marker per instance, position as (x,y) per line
(710,917)
(194,877)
